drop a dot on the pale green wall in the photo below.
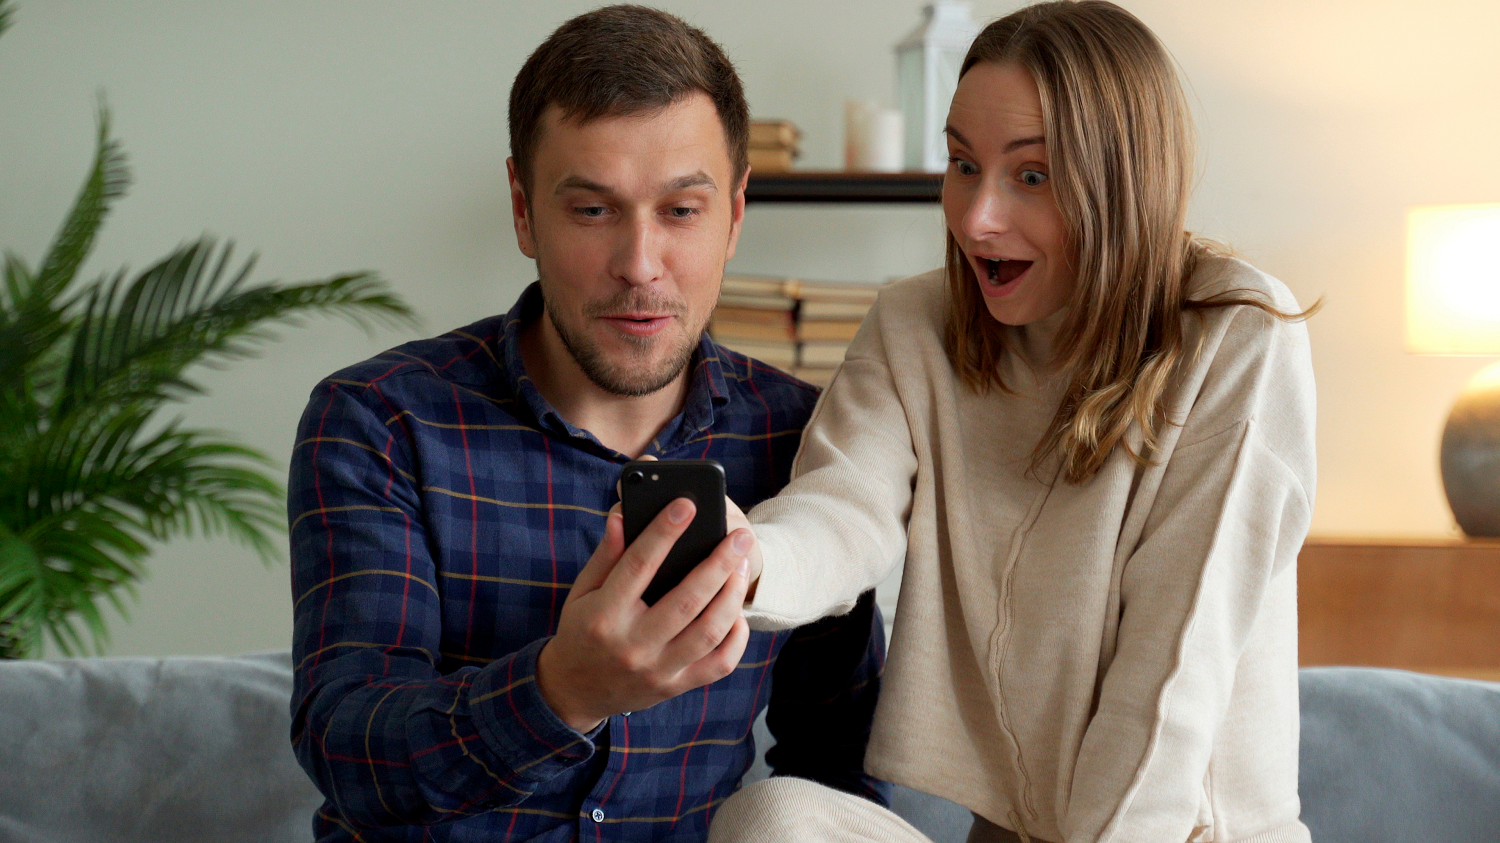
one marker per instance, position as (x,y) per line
(341,135)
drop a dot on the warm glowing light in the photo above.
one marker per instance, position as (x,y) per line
(1453,279)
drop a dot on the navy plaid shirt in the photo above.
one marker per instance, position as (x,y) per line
(439,510)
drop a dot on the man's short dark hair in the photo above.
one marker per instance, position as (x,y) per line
(623,60)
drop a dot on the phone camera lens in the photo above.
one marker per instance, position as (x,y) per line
(635,475)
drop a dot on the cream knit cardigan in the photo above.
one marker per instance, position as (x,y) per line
(1111,661)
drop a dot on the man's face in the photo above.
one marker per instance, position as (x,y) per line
(631,220)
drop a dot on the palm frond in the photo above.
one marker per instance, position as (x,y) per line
(98,496)
(136,340)
(31,332)
(108,179)
(17,280)
(90,477)
(106,182)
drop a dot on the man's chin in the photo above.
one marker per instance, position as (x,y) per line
(634,375)
(626,365)
(629,382)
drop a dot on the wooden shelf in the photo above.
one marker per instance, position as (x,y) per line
(1424,605)
(838,186)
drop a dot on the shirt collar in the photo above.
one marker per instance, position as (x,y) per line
(706,385)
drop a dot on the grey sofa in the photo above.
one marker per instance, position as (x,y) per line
(195,749)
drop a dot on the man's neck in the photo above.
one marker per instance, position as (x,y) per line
(624,423)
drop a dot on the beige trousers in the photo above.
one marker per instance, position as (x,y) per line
(784,808)
(801,811)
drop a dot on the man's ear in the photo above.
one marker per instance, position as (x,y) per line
(737,214)
(521,211)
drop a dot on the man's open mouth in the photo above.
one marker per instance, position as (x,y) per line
(637,323)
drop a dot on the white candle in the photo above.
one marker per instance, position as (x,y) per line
(874,138)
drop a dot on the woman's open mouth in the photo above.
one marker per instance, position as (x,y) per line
(998,276)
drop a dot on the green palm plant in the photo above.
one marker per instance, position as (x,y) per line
(91,471)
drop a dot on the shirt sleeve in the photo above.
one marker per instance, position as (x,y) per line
(839,527)
(1207,603)
(823,691)
(385,736)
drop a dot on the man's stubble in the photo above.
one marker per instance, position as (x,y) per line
(630,377)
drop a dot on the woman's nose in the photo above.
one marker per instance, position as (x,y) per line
(989,214)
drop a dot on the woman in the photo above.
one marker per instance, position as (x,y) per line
(1089,438)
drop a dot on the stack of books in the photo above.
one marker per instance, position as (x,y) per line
(773,145)
(803,327)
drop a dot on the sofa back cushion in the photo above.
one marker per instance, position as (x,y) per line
(1389,755)
(141,749)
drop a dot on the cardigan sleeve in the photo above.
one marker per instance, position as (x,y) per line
(1209,589)
(840,526)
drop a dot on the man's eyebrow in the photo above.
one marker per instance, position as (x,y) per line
(698,179)
(581,183)
(1014,145)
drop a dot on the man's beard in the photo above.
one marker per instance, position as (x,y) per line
(630,377)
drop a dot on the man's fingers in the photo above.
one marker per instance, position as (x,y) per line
(735,519)
(721,661)
(605,557)
(695,617)
(680,606)
(640,560)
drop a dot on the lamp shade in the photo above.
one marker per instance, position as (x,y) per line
(1453,279)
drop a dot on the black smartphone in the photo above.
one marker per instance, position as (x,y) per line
(647,486)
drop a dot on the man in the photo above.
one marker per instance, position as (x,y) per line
(461,674)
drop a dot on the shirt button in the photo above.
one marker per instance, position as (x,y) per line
(598,815)
(624,714)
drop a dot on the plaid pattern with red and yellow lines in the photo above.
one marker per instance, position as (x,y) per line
(439,512)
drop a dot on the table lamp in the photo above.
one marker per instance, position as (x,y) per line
(1453,307)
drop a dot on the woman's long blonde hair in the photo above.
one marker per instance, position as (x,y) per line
(1120,154)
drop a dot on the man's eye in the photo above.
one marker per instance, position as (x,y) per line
(590,211)
(963,167)
(1033,178)
(683,212)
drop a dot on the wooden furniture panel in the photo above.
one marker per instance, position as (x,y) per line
(836,186)
(1431,606)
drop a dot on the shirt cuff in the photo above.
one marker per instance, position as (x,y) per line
(518,725)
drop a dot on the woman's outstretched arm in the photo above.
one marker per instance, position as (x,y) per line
(840,526)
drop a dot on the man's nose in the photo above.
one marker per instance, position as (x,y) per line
(637,256)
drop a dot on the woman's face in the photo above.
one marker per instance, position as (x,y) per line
(997,195)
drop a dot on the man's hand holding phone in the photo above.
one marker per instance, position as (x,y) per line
(612,653)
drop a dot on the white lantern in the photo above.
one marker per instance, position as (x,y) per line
(927,63)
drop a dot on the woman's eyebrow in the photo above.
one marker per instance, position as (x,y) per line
(956,134)
(1022,142)
(1014,145)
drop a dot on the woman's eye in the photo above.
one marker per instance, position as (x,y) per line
(1033,178)
(963,167)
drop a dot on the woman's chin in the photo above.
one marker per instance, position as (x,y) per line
(1006,312)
